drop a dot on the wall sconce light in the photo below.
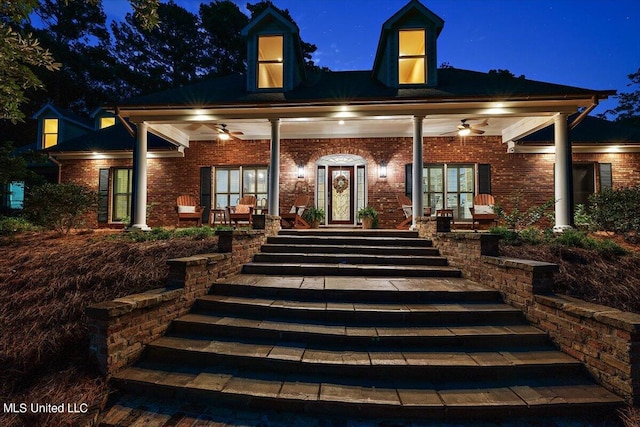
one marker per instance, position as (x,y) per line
(382,169)
(300,171)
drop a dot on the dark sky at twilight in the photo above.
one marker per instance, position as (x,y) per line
(593,44)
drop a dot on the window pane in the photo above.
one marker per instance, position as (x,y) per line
(412,43)
(270,75)
(249,181)
(436,183)
(411,70)
(452,179)
(121,182)
(466,179)
(466,201)
(270,48)
(234,181)
(50,140)
(50,126)
(222,201)
(222,180)
(105,122)
(262,180)
(321,184)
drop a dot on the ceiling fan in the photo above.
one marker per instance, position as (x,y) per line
(464,128)
(221,129)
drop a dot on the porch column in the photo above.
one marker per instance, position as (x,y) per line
(416,185)
(563,174)
(274,169)
(139,196)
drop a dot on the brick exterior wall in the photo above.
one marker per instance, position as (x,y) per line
(606,340)
(169,178)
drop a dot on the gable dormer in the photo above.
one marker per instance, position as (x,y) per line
(103,119)
(407,50)
(56,125)
(274,54)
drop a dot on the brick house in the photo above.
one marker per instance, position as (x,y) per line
(280,131)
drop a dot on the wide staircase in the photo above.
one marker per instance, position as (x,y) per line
(362,324)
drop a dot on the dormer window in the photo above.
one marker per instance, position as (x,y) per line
(105,122)
(270,62)
(412,57)
(49,132)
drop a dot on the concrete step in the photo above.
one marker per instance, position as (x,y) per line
(351,232)
(417,363)
(359,270)
(358,312)
(354,334)
(497,400)
(346,289)
(302,239)
(351,249)
(348,258)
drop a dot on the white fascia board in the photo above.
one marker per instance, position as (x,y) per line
(595,149)
(109,155)
(524,127)
(170,133)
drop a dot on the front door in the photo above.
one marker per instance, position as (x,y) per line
(340,194)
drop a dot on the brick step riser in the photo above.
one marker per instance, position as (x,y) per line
(370,410)
(488,342)
(348,241)
(355,296)
(360,318)
(344,270)
(352,233)
(358,250)
(426,373)
(350,259)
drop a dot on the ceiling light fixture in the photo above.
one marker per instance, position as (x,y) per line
(464,132)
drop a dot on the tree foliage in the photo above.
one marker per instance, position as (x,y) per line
(628,109)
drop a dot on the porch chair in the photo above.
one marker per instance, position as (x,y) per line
(407,210)
(293,219)
(188,209)
(482,211)
(242,211)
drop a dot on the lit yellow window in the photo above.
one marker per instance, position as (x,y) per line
(49,132)
(105,122)
(270,62)
(411,57)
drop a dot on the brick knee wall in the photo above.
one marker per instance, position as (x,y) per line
(605,339)
(120,329)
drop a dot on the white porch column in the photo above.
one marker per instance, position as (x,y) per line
(416,184)
(563,174)
(139,196)
(274,169)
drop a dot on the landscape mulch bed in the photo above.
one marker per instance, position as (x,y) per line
(46,282)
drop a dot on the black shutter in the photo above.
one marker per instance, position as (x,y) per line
(408,179)
(103,195)
(606,176)
(205,193)
(484,178)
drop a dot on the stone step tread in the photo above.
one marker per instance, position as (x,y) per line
(351,259)
(427,285)
(400,268)
(401,357)
(352,240)
(349,232)
(350,255)
(372,331)
(350,248)
(467,395)
(356,307)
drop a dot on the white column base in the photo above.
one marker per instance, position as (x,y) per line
(136,227)
(561,228)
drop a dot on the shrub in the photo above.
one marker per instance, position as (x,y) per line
(508,237)
(12,225)
(617,210)
(532,236)
(582,218)
(579,239)
(59,207)
(516,218)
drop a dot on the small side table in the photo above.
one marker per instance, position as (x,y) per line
(218,216)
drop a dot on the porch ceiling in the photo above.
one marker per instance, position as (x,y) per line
(360,127)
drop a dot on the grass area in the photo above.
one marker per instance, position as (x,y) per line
(46,283)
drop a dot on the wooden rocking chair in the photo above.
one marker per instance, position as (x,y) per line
(482,211)
(243,211)
(188,210)
(293,219)
(407,210)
